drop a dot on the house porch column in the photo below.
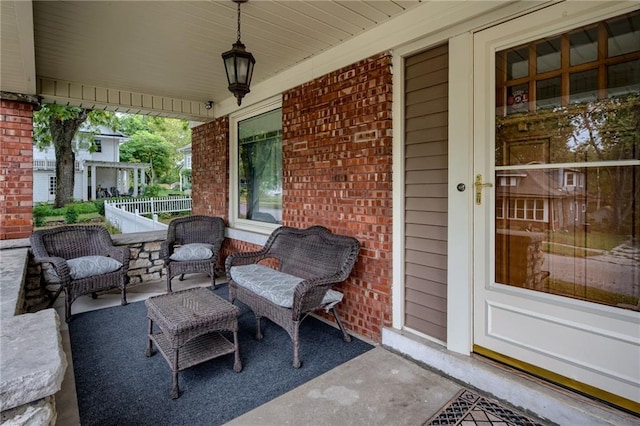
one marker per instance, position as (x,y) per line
(93,183)
(135,182)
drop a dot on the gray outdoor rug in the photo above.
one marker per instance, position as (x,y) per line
(469,409)
(117,384)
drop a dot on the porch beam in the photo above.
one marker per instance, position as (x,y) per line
(63,92)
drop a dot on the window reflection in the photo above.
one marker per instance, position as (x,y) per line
(548,93)
(518,63)
(623,79)
(584,46)
(260,167)
(623,35)
(567,175)
(548,55)
(583,86)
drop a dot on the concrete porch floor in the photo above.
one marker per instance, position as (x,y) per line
(377,388)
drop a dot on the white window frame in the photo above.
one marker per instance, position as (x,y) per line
(234,118)
(526,210)
(573,179)
(508,181)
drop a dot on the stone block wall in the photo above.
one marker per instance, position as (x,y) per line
(337,165)
(520,259)
(16,169)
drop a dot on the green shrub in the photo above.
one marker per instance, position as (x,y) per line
(40,211)
(83,208)
(151,191)
(71,216)
(99,206)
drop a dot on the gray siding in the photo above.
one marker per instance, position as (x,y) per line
(426,116)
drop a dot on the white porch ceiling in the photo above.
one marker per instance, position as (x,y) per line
(162,53)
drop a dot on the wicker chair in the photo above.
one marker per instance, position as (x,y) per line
(309,262)
(81,260)
(201,230)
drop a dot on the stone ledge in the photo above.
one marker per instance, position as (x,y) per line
(27,375)
(13,270)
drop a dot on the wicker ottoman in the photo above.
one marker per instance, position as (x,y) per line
(189,323)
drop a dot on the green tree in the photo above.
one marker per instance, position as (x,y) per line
(59,125)
(146,147)
(176,132)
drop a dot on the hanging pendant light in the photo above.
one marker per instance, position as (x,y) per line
(238,63)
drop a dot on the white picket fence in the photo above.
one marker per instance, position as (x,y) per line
(126,214)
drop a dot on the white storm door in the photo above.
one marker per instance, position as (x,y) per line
(557,164)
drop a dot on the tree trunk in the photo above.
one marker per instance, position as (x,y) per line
(62,134)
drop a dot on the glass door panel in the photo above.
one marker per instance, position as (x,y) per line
(567,172)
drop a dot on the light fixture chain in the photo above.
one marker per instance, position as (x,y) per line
(238,21)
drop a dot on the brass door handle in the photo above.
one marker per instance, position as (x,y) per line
(479,185)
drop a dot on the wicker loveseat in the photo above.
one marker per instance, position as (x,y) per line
(308,262)
(80,260)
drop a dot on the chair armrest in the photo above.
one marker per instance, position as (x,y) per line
(243,258)
(309,293)
(59,265)
(121,254)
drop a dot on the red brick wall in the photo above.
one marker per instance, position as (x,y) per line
(337,133)
(336,173)
(16,169)
(210,168)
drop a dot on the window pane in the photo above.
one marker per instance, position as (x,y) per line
(548,55)
(583,86)
(518,63)
(624,35)
(548,93)
(623,79)
(584,46)
(260,167)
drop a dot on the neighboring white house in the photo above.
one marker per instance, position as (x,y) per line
(185,178)
(97,174)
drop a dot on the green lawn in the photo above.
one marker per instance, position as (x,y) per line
(590,240)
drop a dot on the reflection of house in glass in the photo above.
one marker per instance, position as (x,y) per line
(540,199)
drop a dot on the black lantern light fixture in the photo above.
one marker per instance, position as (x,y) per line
(238,63)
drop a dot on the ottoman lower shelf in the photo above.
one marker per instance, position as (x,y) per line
(200,349)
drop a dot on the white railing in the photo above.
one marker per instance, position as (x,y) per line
(125,214)
(130,222)
(152,205)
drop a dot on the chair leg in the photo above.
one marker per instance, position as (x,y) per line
(67,306)
(181,277)
(345,335)
(123,300)
(169,282)
(258,328)
(149,351)
(296,345)
(53,298)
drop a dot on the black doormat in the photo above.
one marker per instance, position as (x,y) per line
(468,408)
(117,384)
